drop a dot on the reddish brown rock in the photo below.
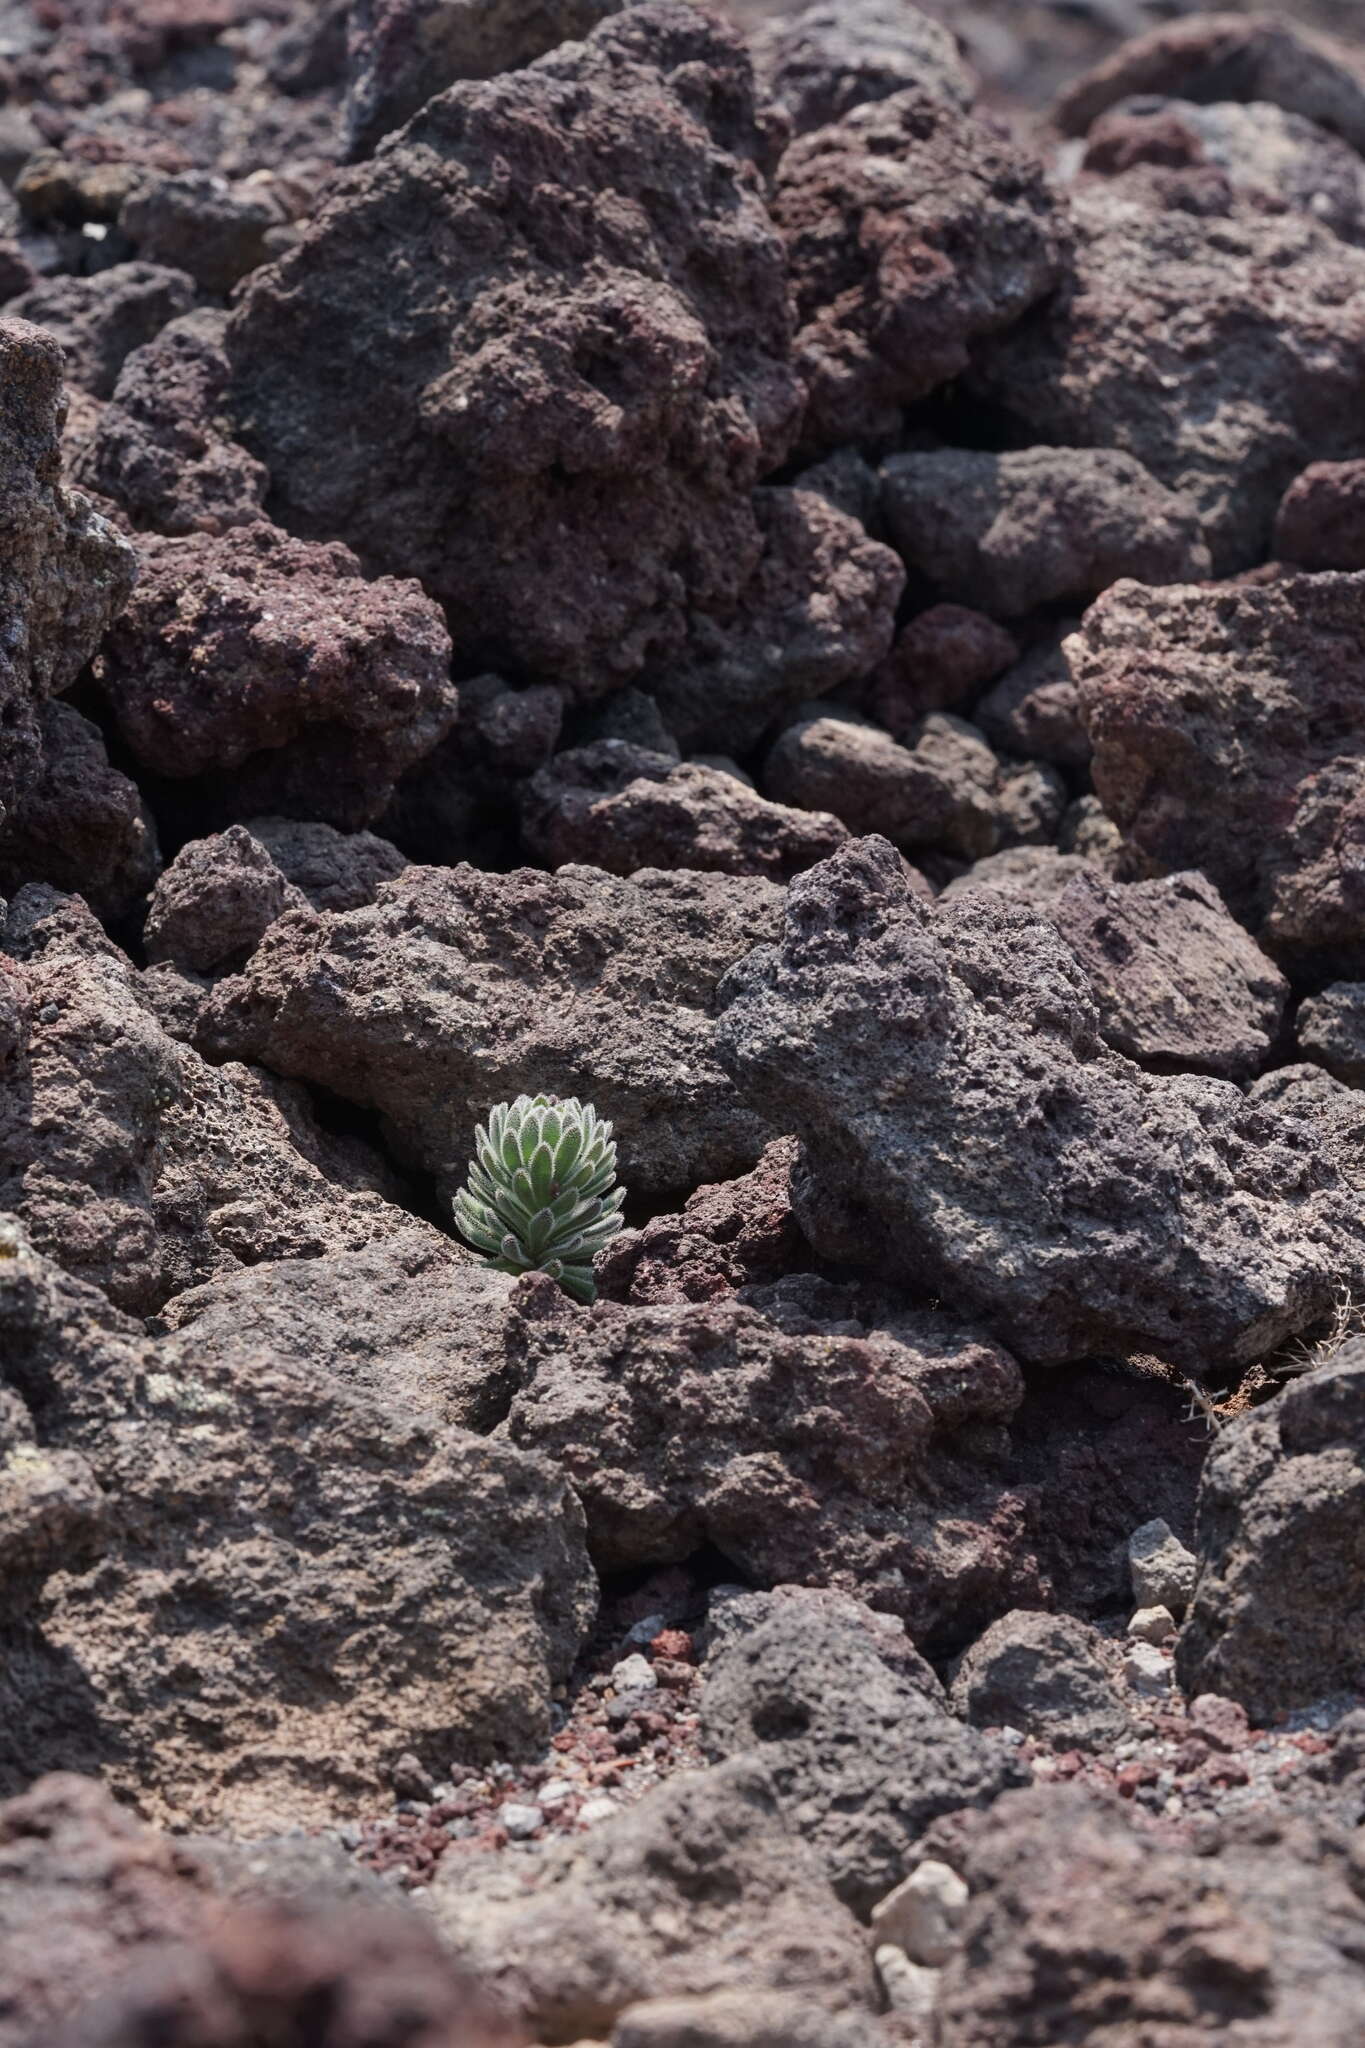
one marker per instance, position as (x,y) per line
(577,400)
(940,661)
(271,665)
(1035,709)
(77,823)
(100,320)
(913,232)
(1321,520)
(727,1236)
(835,55)
(1215,713)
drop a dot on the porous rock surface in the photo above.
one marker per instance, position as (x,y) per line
(913,232)
(274,665)
(805,1442)
(1223,348)
(100,320)
(1044,1674)
(1330,1029)
(64,571)
(77,822)
(346,1579)
(587,373)
(131,1160)
(1038,526)
(1321,520)
(1017,1168)
(459,989)
(1212,711)
(1280,1539)
(835,55)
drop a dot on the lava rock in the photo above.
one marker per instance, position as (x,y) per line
(1213,710)
(940,661)
(1227,57)
(458,989)
(1331,1030)
(100,320)
(726,1236)
(913,232)
(700,1887)
(1178,982)
(833,56)
(160,449)
(862,1757)
(1223,350)
(743,2019)
(136,1164)
(201,224)
(401,53)
(1280,1538)
(1081,1924)
(423,1593)
(1037,875)
(621,807)
(1016,1168)
(804,1441)
(77,823)
(1161,1568)
(1321,520)
(1035,710)
(939,791)
(818,611)
(460,801)
(1047,1675)
(215,902)
(1039,526)
(271,665)
(576,404)
(64,571)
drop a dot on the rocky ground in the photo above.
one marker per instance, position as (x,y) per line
(800,579)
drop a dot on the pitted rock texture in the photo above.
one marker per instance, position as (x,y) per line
(161,450)
(1047,1675)
(827,59)
(77,823)
(1083,1928)
(198,222)
(1228,57)
(1212,712)
(1035,709)
(726,1235)
(457,990)
(621,808)
(586,371)
(818,611)
(86,1891)
(100,320)
(1321,520)
(701,1887)
(400,53)
(355,1977)
(134,1163)
(64,571)
(862,1751)
(1223,349)
(941,660)
(967,1133)
(1039,526)
(345,1579)
(411,1318)
(1178,982)
(270,665)
(1280,1539)
(1330,1029)
(1279,159)
(913,232)
(807,1442)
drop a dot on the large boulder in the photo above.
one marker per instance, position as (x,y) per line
(64,571)
(272,666)
(457,990)
(1280,1537)
(1214,711)
(536,352)
(803,1440)
(913,232)
(968,1133)
(1224,348)
(304,1574)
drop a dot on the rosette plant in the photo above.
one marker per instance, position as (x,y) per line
(541,1194)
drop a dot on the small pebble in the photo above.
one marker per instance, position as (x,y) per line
(594,1810)
(923,1915)
(1147,1670)
(554,1792)
(520,1821)
(645,1631)
(634,1674)
(1152,1624)
(910,1987)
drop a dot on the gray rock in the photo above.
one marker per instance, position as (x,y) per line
(100,320)
(1148,1670)
(1275,1618)
(421,1590)
(1017,1168)
(923,1916)
(1036,875)
(941,791)
(820,63)
(1047,1675)
(1038,526)
(743,2019)
(215,902)
(459,989)
(1179,984)
(804,1441)
(77,823)
(1331,1030)
(1162,1569)
(201,223)
(1035,710)
(701,1887)
(862,1758)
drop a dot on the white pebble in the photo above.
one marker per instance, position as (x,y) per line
(924,1914)
(1152,1624)
(909,1987)
(594,1810)
(634,1674)
(520,1821)
(555,1791)
(1146,1669)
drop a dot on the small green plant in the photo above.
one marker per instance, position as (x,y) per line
(540,1197)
